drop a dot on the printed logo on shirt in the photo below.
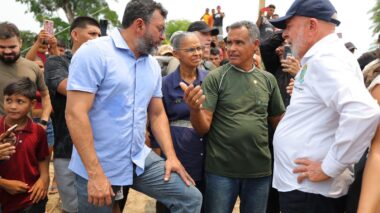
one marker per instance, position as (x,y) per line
(178,100)
(298,84)
(301,78)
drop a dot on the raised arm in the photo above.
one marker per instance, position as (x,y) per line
(200,118)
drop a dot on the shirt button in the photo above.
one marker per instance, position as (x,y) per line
(201,139)
(201,154)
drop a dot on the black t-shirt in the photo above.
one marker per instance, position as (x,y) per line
(57,70)
(218,19)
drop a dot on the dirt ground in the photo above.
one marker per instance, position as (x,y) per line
(137,202)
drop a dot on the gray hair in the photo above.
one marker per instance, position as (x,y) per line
(253,30)
(178,38)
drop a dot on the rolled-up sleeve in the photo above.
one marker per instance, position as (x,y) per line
(358,115)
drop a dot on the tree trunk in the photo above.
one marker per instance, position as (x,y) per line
(69,10)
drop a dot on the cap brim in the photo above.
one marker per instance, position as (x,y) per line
(280,23)
(213,32)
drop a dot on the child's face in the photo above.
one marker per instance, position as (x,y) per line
(17,106)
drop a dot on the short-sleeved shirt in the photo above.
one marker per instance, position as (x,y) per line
(207,18)
(218,19)
(31,148)
(241,102)
(188,145)
(123,88)
(57,70)
(21,68)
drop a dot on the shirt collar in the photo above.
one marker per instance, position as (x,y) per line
(27,128)
(320,45)
(119,40)
(243,71)
(177,78)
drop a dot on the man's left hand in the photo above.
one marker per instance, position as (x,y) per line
(309,169)
(173,165)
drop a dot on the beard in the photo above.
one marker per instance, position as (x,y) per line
(9,60)
(298,43)
(146,44)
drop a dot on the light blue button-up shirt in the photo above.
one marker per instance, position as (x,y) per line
(123,87)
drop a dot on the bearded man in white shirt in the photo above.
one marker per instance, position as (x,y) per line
(331,118)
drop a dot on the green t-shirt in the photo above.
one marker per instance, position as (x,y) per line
(237,143)
(21,68)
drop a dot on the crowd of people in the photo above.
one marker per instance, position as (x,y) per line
(278,113)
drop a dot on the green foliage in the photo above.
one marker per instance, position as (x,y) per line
(27,38)
(376,17)
(48,9)
(175,25)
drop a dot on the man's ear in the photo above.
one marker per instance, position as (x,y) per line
(20,42)
(74,35)
(313,25)
(139,25)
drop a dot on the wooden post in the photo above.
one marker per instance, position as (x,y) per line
(261,4)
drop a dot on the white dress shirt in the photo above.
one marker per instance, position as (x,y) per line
(331,118)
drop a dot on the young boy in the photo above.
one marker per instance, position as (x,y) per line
(25,176)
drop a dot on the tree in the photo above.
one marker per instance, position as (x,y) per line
(174,26)
(376,17)
(48,9)
(27,38)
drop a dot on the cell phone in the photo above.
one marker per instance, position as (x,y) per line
(265,9)
(287,51)
(10,130)
(49,27)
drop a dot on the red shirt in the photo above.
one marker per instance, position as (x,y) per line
(42,56)
(31,148)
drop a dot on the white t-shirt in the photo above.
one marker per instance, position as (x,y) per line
(331,118)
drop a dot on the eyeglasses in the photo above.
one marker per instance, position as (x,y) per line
(193,50)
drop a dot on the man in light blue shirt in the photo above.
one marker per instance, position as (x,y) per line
(113,85)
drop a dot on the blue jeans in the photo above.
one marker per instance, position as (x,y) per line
(174,194)
(49,131)
(221,194)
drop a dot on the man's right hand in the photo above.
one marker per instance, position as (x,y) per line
(193,96)
(99,190)
(43,38)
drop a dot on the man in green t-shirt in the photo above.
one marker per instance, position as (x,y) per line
(232,109)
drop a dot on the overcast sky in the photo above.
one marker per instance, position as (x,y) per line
(353,14)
